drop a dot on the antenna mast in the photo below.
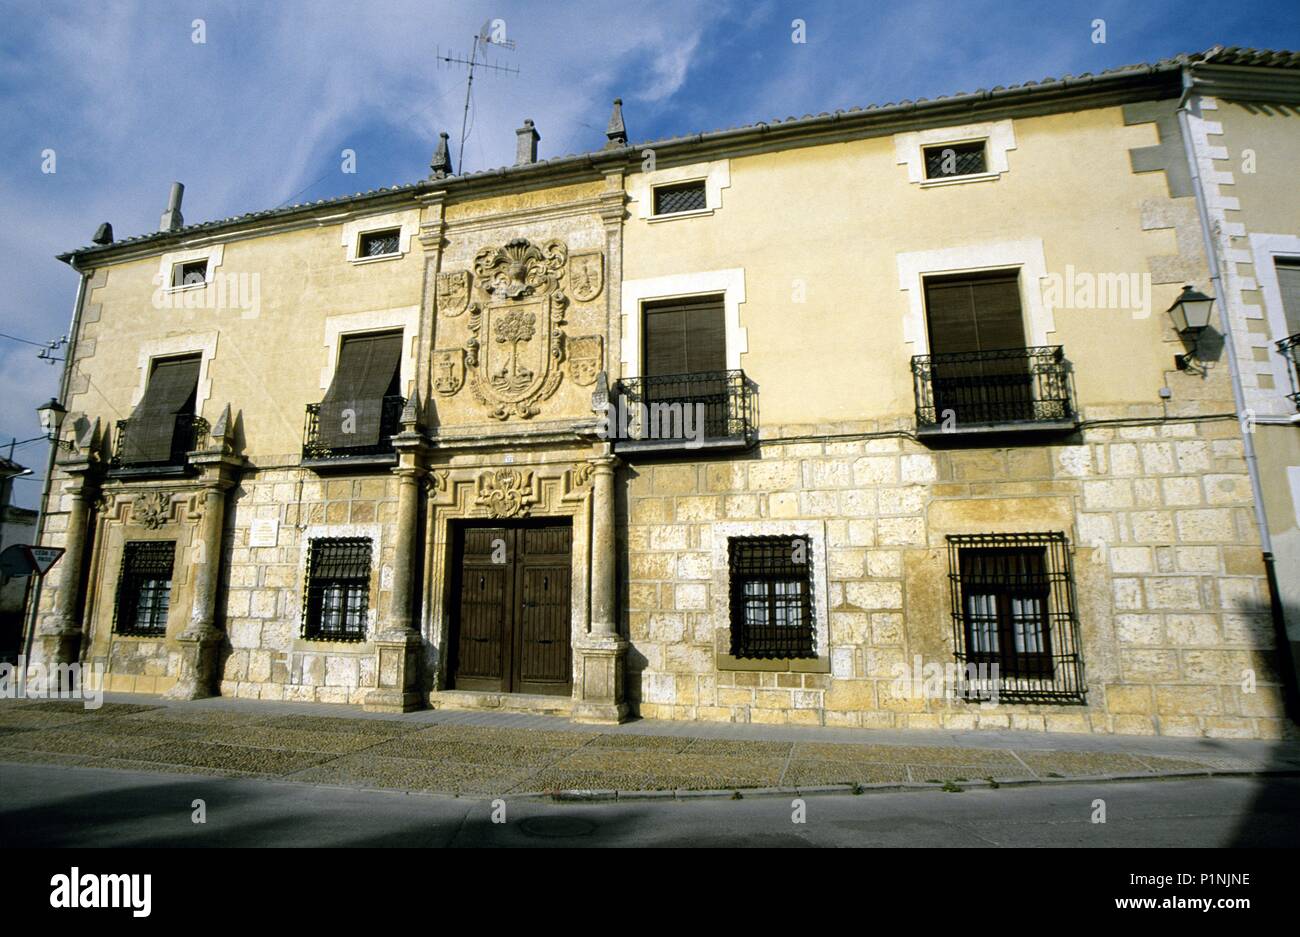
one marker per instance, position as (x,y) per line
(487,36)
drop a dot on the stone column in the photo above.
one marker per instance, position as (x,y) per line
(59,633)
(601,652)
(398,643)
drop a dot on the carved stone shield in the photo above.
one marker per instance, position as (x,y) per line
(585,358)
(453,292)
(448,370)
(586,275)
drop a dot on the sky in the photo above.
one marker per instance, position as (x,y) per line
(258,114)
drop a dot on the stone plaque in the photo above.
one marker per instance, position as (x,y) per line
(265,532)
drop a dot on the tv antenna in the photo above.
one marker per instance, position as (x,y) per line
(493,33)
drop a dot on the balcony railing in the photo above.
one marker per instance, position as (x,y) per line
(1008,389)
(390,419)
(710,409)
(189,434)
(1290,348)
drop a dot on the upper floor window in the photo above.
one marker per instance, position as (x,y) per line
(679,197)
(358,409)
(771,597)
(379,243)
(1288,284)
(161,428)
(338,588)
(144,588)
(955,159)
(190,273)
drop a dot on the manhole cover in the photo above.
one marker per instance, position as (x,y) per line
(556,827)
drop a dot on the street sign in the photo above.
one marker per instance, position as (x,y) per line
(43,558)
(22,559)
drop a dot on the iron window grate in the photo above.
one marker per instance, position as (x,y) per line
(338,589)
(380,243)
(674,199)
(1013,607)
(144,588)
(771,597)
(955,159)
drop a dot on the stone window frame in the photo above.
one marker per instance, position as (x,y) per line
(127,631)
(167,264)
(403,318)
(999,138)
(202,344)
(716,176)
(815,531)
(730,284)
(1265,249)
(1028,256)
(378,579)
(407,223)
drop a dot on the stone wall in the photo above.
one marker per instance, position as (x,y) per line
(1171,596)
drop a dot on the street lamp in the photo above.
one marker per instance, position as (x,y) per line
(52,413)
(1191,315)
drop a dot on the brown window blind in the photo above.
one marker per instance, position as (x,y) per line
(1288,282)
(367,371)
(168,396)
(685,337)
(974,313)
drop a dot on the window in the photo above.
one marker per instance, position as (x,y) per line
(144,588)
(338,589)
(161,429)
(955,159)
(771,597)
(360,407)
(1288,284)
(1013,609)
(680,197)
(686,336)
(190,273)
(379,243)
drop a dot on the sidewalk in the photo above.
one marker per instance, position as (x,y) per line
(488,754)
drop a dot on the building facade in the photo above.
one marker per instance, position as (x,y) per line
(865,419)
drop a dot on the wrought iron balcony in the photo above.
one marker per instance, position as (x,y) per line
(1290,348)
(315,451)
(707,410)
(994,391)
(190,433)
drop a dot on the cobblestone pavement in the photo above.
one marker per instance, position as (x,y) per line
(489,754)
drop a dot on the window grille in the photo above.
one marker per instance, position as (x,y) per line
(144,588)
(674,199)
(771,597)
(380,243)
(955,159)
(338,589)
(1013,606)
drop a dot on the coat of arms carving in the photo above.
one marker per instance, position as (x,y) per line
(448,370)
(453,292)
(585,358)
(516,345)
(586,275)
(151,509)
(507,492)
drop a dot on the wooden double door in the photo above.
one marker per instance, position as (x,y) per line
(511,617)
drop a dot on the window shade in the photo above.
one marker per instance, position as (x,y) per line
(685,338)
(152,426)
(1288,282)
(350,414)
(974,313)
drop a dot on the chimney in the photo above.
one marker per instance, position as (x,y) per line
(171,218)
(526,144)
(616,131)
(440,165)
(103,234)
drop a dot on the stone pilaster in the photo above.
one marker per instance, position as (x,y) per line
(59,633)
(599,695)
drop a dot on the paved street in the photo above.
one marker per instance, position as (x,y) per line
(61,806)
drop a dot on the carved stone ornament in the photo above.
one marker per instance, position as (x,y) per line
(151,509)
(516,346)
(448,370)
(586,275)
(585,358)
(507,492)
(581,473)
(453,292)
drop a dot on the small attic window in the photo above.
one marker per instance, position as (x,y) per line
(190,273)
(950,160)
(680,197)
(383,243)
